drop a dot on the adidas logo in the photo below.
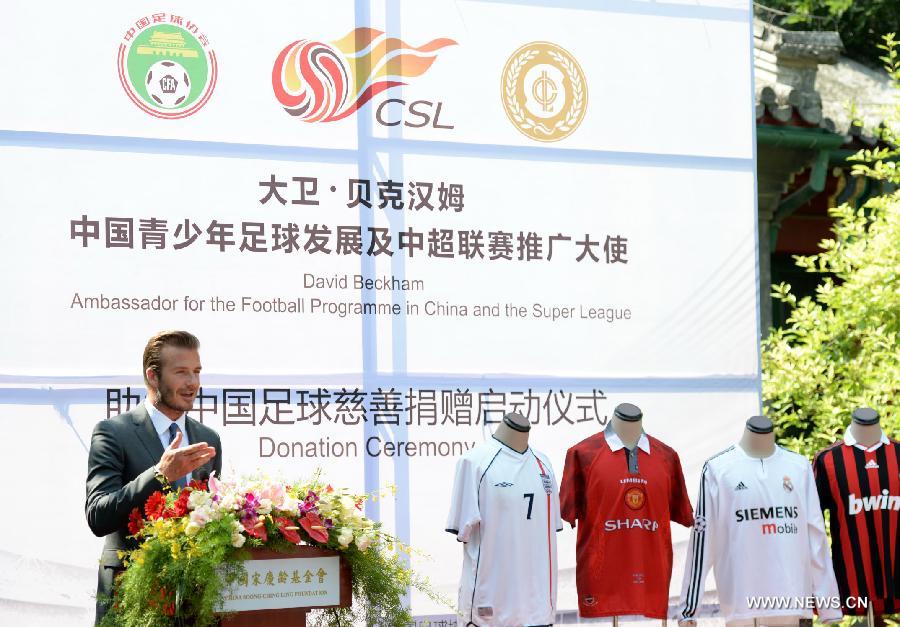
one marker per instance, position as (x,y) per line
(871,465)
(741,486)
(503,484)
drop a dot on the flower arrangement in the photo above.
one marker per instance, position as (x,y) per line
(193,542)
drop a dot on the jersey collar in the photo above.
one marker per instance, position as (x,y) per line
(615,442)
(506,446)
(849,440)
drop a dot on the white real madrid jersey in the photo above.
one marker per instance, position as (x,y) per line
(759,526)
(505,509)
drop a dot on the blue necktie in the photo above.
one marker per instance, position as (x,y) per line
(173,431)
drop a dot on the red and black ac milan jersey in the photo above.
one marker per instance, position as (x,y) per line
(623,501)
(861,489)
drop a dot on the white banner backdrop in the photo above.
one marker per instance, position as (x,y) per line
(521,205)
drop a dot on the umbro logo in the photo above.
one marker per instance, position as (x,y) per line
(503,484)
(871,465)
(741,486)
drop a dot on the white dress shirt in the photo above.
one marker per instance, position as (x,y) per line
(161,423)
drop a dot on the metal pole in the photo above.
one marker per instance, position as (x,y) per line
(870,614)
(615,621)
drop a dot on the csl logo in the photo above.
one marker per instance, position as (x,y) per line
(166,66)
(325,82)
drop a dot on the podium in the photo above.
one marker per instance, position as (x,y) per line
(281,588)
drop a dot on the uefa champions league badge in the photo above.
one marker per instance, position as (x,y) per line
(167,66)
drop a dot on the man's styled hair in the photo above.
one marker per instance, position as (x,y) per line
(153,350)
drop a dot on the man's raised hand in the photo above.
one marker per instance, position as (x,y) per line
(177,462)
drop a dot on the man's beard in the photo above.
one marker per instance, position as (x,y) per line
(168,397)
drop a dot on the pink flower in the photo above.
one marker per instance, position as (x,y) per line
(251,504)
(275,493)
(314,526)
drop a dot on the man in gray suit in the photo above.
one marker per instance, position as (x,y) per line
(136,453)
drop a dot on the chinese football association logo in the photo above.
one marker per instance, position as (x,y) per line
(167,66)
(317,81)
(544,91)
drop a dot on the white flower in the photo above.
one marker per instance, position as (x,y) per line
(198,499)
(348,506)
(199,518)
(265,507)
(345,537)
(237,535)
(230,502)
(192,528)
(364,541)
(289,504)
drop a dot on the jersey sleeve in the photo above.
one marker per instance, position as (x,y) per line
(571,490)
(702,547)
(679,501)
(557,517)
(465,513)
(822,482)
(824,582)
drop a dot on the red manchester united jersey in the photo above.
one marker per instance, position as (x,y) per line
(623,501)
(861,488)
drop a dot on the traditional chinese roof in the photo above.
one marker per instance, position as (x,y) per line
(799,112)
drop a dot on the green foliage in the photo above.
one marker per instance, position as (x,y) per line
(860,22)
(173,574)
(841,349)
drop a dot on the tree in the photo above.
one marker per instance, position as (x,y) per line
(860,23)
(841,349)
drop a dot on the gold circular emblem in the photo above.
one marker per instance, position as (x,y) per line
(543,91)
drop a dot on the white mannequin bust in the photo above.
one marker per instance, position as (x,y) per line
(513,431)
(865,427)
(627,422)
(758,440)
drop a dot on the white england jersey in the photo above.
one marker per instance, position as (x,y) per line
(759,525)
(505,508)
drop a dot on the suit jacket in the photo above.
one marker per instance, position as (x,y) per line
(121,476)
